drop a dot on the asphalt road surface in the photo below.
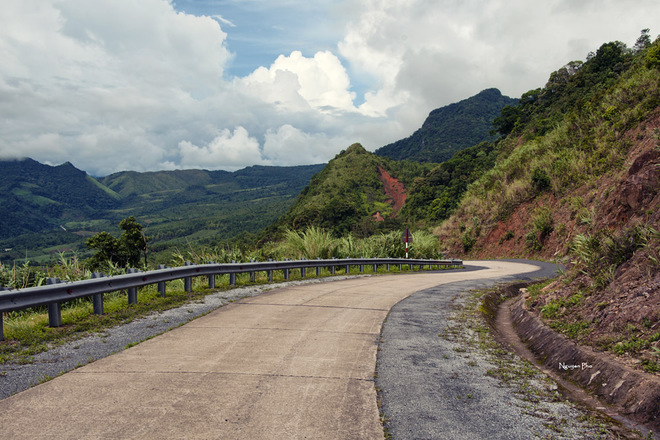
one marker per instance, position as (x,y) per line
(436,388)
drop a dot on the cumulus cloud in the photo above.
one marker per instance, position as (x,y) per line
(299,83)
(289,145)
(423,53)
(105,81)
(229,150)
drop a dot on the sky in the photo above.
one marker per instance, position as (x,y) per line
(117,85)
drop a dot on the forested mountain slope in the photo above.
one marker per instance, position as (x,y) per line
(47,210)
(449,129)
(36,197)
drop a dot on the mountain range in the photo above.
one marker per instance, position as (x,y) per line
(50,209)
(47,210)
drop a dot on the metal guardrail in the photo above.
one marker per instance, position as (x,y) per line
(56,292)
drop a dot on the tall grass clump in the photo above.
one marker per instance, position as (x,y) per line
(310,244)
(314,242)
(599,255)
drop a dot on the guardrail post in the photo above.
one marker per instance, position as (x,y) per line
(252,275)
(187,281)
(347,269)
(303,272)
(161,284)
(132,291)
(232,276)
(375,268)
(54,309)
(286,271)
(387,266)
(318,269)
(400,266)
(97,300)
(212,278)
(2,330)
(269,273)
(361,268)
(332,268)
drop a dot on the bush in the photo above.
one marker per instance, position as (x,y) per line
(652,59)
(540,180)
(310,244)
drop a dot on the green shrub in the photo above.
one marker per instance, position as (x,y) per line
(652,59)
(540,180)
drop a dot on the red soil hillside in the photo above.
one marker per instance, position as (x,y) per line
(395,190)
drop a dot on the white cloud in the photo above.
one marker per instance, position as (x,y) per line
(290,146)
(229,151)
(221,19)
(423,53)
(120,72)
(299,83)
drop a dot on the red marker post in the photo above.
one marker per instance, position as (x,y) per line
(406,238)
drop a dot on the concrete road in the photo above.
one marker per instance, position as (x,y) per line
(294,363)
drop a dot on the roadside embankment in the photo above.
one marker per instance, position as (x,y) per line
(594,378)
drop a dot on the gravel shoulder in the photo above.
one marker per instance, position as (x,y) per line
(441,375)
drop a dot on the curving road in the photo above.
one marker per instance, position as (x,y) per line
(293,363)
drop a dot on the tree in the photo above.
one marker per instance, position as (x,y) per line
(123,251)
(506,122)
(643,41)
(652,60)
(133,241)
(107,248)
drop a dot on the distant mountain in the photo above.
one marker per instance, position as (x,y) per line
(356,192)
(47,209)
(127,183)
(36,197)
(450,129)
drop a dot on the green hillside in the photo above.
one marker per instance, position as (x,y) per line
(128,183)
(349,194)
(47,209)
(585,127)
(36,197)
(450,129)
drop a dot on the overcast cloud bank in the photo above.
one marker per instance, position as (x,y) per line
(115,85)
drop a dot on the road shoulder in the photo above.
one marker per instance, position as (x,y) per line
(441,374)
